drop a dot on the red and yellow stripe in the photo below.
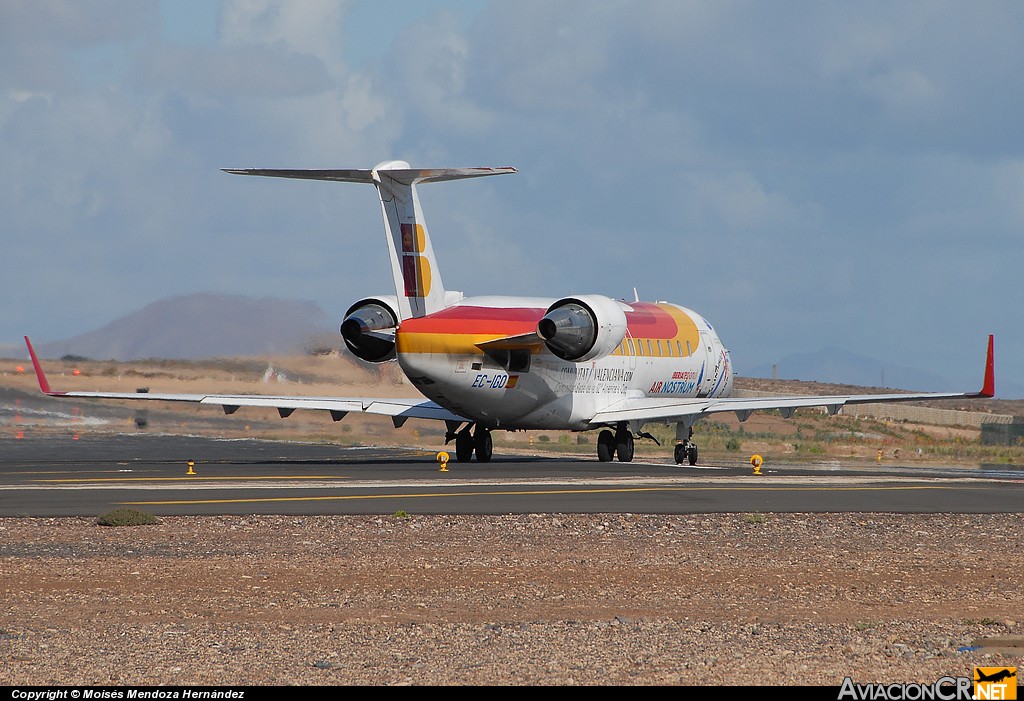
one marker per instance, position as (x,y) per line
(460,329)
(650,322)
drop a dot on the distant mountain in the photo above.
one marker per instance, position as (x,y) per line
(838,366)
(202,325)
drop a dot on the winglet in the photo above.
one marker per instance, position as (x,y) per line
(44,385)
(989,388)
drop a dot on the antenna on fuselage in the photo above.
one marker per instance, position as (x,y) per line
(636,296)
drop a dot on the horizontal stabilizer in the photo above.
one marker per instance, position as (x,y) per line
(406,175)
(418,285)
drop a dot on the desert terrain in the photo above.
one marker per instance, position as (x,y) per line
(810,434)
(534,600)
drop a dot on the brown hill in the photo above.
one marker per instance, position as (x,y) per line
(203,325)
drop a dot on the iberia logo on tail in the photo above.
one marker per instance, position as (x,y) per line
(415,266)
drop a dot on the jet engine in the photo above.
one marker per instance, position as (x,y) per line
(583,328)
(369,328)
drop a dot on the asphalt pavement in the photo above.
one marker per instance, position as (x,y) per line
(57,476)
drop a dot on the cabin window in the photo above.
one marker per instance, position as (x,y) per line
(659,347)
(650,351)
(639,347)
(668,344)
(632,351)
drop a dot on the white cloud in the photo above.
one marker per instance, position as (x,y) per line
(738,202)
(310,27)
(759,163)
(44,44)
(426,74)
(252,71)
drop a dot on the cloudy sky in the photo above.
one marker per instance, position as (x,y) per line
(804,174)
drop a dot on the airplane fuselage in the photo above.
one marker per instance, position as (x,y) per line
(667,351)
(578,362)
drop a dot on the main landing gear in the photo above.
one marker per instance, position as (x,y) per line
(467,443)
(611,444)
(686,449)
(686,452)
(619,443)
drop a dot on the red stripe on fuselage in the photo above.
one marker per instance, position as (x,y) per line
(477,320)
(645,321)
(650,321)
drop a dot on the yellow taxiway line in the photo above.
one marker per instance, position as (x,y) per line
(193,478)
(548,492)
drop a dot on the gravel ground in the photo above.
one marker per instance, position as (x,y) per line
(804,599)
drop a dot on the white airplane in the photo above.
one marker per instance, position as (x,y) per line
(582,362)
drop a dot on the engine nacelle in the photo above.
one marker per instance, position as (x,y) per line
(583,328)
(369,328)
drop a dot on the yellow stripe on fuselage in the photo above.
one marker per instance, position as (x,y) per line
(451,343)
(685,341)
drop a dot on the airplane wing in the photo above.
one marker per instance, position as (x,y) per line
(644,409)
(524,340)
(399,409)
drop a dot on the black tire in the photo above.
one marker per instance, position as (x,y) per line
(483,444)
(679,454)
(463,446)
(624,447)
(605,446)
(691,455)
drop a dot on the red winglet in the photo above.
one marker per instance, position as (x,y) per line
(989,388)
(43,384)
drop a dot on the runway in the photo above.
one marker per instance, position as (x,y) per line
(49,477)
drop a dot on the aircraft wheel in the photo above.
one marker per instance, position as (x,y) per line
(624,447)
(463,446)
(679,453)
(691,454)
(484,445)
(605,446)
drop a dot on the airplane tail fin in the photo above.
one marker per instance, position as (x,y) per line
(416,274)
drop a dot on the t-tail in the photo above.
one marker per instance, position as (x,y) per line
(416,274)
